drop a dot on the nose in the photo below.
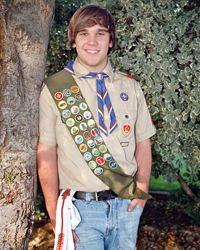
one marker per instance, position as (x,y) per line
(92,39)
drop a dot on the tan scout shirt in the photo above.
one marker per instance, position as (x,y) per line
(74,172)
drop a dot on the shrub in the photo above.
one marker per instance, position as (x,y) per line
(159,44)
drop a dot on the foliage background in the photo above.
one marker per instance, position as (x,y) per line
(158,42)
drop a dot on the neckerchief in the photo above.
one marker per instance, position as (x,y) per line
(102,98)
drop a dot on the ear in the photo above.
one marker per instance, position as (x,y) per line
(74,45)
(110,44)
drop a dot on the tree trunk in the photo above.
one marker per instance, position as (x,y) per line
(24,34)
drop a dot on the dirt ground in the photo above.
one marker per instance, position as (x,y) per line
(159,229)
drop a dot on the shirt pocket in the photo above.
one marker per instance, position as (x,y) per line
(126,134)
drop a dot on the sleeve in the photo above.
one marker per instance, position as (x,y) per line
(47,118)
(144,127)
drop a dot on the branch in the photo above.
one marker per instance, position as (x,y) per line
(186,188)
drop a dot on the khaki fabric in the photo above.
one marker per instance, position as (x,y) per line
(74,173)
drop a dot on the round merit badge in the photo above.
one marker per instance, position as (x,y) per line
(58,96)
(87,115)
(83,126)
(75,89)
(124,96)
(86,135)
(103,149)
(95,152)
(95,132)
(98,140)
(91,123)
(107,157)
(74,130)
(83,106)
(100,160)
(113,164)
(87,156)
(98,171)
(83,148)
(79,97)
(79,118)
(66,113)
(79,139)
(62,105)
(70,100)
(91,144)
(70,122)
(75,110)
(67,92)
(92,164)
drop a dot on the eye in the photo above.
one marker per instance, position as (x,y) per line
(101,33)
(83,33)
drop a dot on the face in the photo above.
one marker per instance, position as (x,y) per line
(92,46)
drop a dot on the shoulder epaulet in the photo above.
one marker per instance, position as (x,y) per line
(125,74)
(130,76)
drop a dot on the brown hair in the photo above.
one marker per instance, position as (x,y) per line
(88,16)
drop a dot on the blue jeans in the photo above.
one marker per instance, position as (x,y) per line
(107,225)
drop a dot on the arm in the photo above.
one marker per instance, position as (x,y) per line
(48,176)
(144,159)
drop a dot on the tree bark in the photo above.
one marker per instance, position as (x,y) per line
(24,34)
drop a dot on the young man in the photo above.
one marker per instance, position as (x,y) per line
(94,138)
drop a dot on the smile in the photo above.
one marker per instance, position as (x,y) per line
(92,51)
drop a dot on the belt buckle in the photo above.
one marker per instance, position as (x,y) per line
(96,197)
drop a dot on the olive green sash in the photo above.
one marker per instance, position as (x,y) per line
(79,120)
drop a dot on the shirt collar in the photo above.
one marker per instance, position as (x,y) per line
(80,70)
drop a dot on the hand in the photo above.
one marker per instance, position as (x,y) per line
(75,237)
(139,202)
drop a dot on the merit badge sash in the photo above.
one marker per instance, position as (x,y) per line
(80,122)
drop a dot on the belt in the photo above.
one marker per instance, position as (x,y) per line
(97,196)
